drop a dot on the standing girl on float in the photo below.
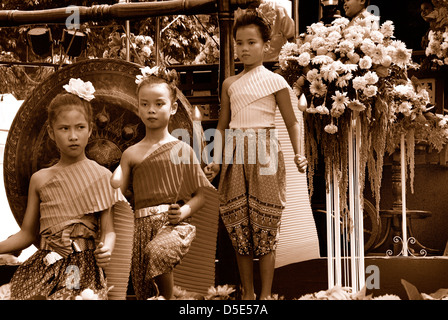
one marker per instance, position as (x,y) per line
(168,186)
(252,198)
(67,201)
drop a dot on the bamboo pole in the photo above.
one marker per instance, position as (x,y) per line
(226,54)
(118,11)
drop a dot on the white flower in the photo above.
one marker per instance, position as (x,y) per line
(304,59)
(146,72)
(349,67)
(387,29)
(343,22)
(5,292)
(401,56)
(340,99)
(331,128)
(290,49)
(356,105)
(311,109)
(323,110)
(312,75)
(406,90)
(370,91)
(354,35)
(387,297)
(337,111)
(322,59)
(146,51)
(371,77)
(306,47)
(367,46)
(80,88)
(346,46)
(378,54)
(329,72)
(405,108)
(219,292)
(318,88)
(318,28)
(342,81)
(87,294)
(365,62)
(359,83)
(377,36)
(157,298)
(317,43)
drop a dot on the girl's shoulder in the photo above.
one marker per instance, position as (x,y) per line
(42,176)
(229,80)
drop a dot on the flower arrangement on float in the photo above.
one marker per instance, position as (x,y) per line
(346,70)
(437,36)
(437,47)
(410,103)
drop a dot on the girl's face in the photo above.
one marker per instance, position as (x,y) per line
(155,106)
(353,7)
(71,131)
(250,46)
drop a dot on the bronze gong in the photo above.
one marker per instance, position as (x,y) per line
(117,125)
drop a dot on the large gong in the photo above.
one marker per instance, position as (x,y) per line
(117,126)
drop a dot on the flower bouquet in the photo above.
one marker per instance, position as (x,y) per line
(437,48)
(141,48)
(347,71)
(410,103)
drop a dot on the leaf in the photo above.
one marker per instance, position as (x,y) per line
(411,290)
(382,71)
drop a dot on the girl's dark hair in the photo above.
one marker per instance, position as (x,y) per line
(252,17)
(170,77)
(64,100)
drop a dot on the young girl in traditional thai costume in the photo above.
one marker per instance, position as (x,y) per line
(168,187)
(252,184)
(71,206)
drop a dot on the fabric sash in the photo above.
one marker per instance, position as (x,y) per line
(255,85)
(69,199)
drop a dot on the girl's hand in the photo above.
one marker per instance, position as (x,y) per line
(211,171)
(102,255)
(300,162)
(174,214)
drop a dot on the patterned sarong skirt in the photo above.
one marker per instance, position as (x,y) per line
(252,190)
(61,280)
(158,248)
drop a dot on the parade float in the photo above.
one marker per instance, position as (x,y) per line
(359,104)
